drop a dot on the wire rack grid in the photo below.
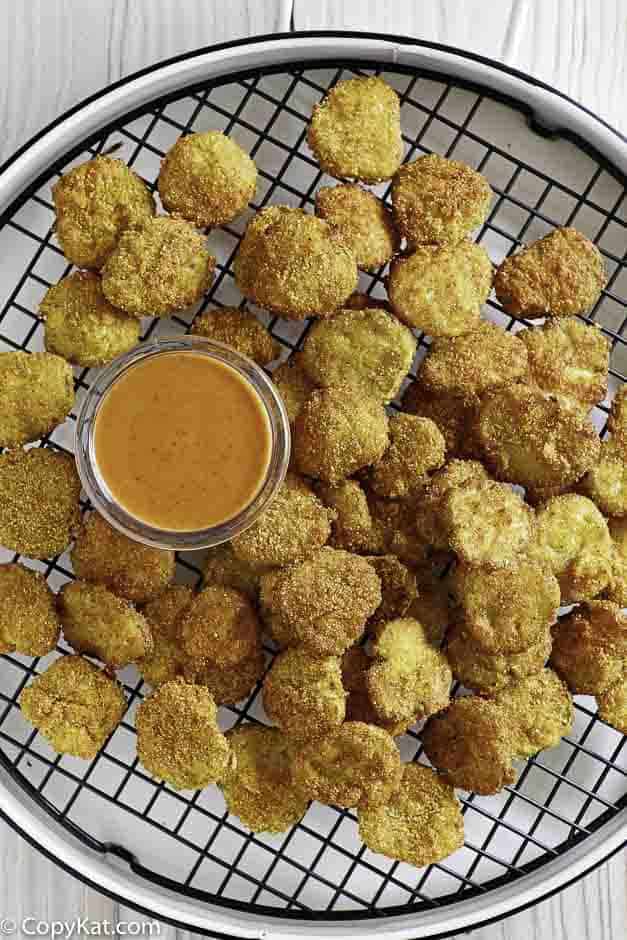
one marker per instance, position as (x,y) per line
(187,841)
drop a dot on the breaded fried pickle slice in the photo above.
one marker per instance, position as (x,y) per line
(606,481)
(439,201)
(130,569)
(227,684)
(353,528)
(431,523)
(39,510)
(417,449)
(225,568)
(453,414)
(294,264)
(355,131)
(560,275)
(439,289)
(294,385)
(220,624)
(590,647)
(368,350)
(28,619)
(239,329)
(356,765)
(178,739)
(364,222)
(163,615)
(359,707)
(489,525)
(259,786)
(486,672)
(37,394)
(398,588)
(539,709)
(613,705)
(421,824)
(304,694)
(74,705)
(471,744)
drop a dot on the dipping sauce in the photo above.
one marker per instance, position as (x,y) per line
(182,441)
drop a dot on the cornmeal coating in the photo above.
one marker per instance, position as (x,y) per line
(557,276)
(616,590)
(39,509)
(431,523)
(131,570)
(260,785)
(167,659)
(356,765)
(325,601)
(159,269)
(293,384)
(239,329)
(417,449)
(395,529)
(364,222)
(74,705)
(568,359)
(539,709)
(471,364)
(440,289)
(294,264)
(453,414)
(97,623)
(28,618)
(178,739)
(207,179)
(590,647)
(278,631)
(606,482)
(486,672)
(368,350)
(470,743)
(225,568)
(398,588)
(439,201)
(432,607)
(95,203)
(532,439)
(617,421)
(410,677)
(612,705)
(37,394)
(81,325)
(355,131)
(227,684)
(220,625)
(359,707)
(422,823)
(489,525)
(337,432)
(304,694)
(507,610)
(353,528)
(573,541)
(291,529)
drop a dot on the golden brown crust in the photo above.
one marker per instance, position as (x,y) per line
(507,610)
(558,275)
(163,615)
(568,359)
(590,647)
(421,824)
(131,570)
(74,705)
(99,624)
(616,589)
(293,384)
(606,482)
(338,432)
(158,269)
(364,222)
(440,289)
(355,131)
(617,421)
(178,739)
(539,709)
(28,618)
(207,179)
(359,707)
(398,588)
(239,329)
(613,705)
(430,521)
(473,363)
(227,684)
(431,607)
(39,509)
(95,202)
(353,528)
(439,201)
(37,395)
(80,323)
(225,568)
(304,694)
(220,625)
(356,765)
(416,450)
(395,530)
(489,525)
(486,672)
(294,264)
(368,350)
(453,414)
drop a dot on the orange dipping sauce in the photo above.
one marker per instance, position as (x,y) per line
(182,441)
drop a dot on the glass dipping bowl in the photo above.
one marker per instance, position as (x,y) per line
(96,487)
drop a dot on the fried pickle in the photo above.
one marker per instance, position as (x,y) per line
(539,709)
(486,672)
(304,694)
(606,481)
(293,384)
(353,528)
(167,659)
(613,705)
(37,394)
(223,567)
(227,684)
(28,618)
(221,625)
(364,222)
(489,525)
(359,707)
(395,530)
(398,588)
(416,450)
(431,607)
(590,647)
(431,523)
(453,414)
(239,329)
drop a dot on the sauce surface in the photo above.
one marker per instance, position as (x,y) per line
(183,442)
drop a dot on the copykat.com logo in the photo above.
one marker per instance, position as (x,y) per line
(77,927)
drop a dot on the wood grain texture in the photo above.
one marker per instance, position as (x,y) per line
(55,52)
(578,46)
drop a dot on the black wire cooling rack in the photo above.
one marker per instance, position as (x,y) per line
(186,841)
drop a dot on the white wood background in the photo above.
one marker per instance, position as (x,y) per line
(54,52)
